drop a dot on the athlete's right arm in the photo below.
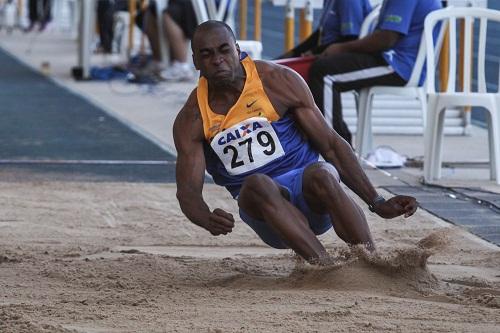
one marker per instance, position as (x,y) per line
(190,171)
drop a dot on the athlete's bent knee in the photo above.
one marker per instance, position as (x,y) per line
(258,187)
(257,183)
(321,171)
(322,177)
(258,195)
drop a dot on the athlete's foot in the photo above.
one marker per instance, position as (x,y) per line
(324,261)
(369,246)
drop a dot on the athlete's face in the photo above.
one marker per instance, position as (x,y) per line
(217,55)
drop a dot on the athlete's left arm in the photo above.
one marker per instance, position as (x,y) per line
(291,90)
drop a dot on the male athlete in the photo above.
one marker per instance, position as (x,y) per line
(255,128)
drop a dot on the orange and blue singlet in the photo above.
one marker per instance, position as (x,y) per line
(252,137)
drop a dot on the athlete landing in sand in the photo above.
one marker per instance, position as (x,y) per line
(255,128)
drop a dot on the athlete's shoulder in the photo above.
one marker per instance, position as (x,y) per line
(273,74)
(266,68)
(285,87)
(188,116)
(191,106)
(264,65)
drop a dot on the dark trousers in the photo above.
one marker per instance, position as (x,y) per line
(350,71)
(40,11)
(106,10)
(105,21)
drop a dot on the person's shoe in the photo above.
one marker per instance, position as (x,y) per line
(179,71)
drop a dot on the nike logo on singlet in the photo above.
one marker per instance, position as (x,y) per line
(250,104)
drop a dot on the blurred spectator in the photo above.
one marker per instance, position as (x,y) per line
(145,19)
(39,11)
(340,21)
(178,21)
(106,10)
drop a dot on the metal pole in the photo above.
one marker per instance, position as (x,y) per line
(257,20)
(142,47)
(302,24)
(132,10)
(87,7)
(164,45)
(289,25)
(243,19)
(444,61)
(20,11)
(306,20)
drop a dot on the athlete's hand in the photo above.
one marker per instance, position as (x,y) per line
(396,206)
(219,222)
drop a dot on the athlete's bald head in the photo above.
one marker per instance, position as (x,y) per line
(207,28)
(216,53)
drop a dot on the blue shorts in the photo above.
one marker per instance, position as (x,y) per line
(292,181)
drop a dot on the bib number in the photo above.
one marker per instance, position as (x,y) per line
(247,146)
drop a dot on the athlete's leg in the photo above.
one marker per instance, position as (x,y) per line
(324,194)
(261,198)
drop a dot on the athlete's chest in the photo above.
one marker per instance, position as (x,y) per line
(249,105)
(222,106)
(247,145)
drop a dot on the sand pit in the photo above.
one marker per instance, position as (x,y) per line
(78,257)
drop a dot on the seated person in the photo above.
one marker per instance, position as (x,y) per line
(340,21)
(386,57)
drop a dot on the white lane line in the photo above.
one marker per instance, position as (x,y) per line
(91,162)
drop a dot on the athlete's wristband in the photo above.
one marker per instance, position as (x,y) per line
(378,200)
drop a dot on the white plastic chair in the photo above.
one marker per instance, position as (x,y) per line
(369,22)
(452,97)
(364,136)
(164,46)
(412,89)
